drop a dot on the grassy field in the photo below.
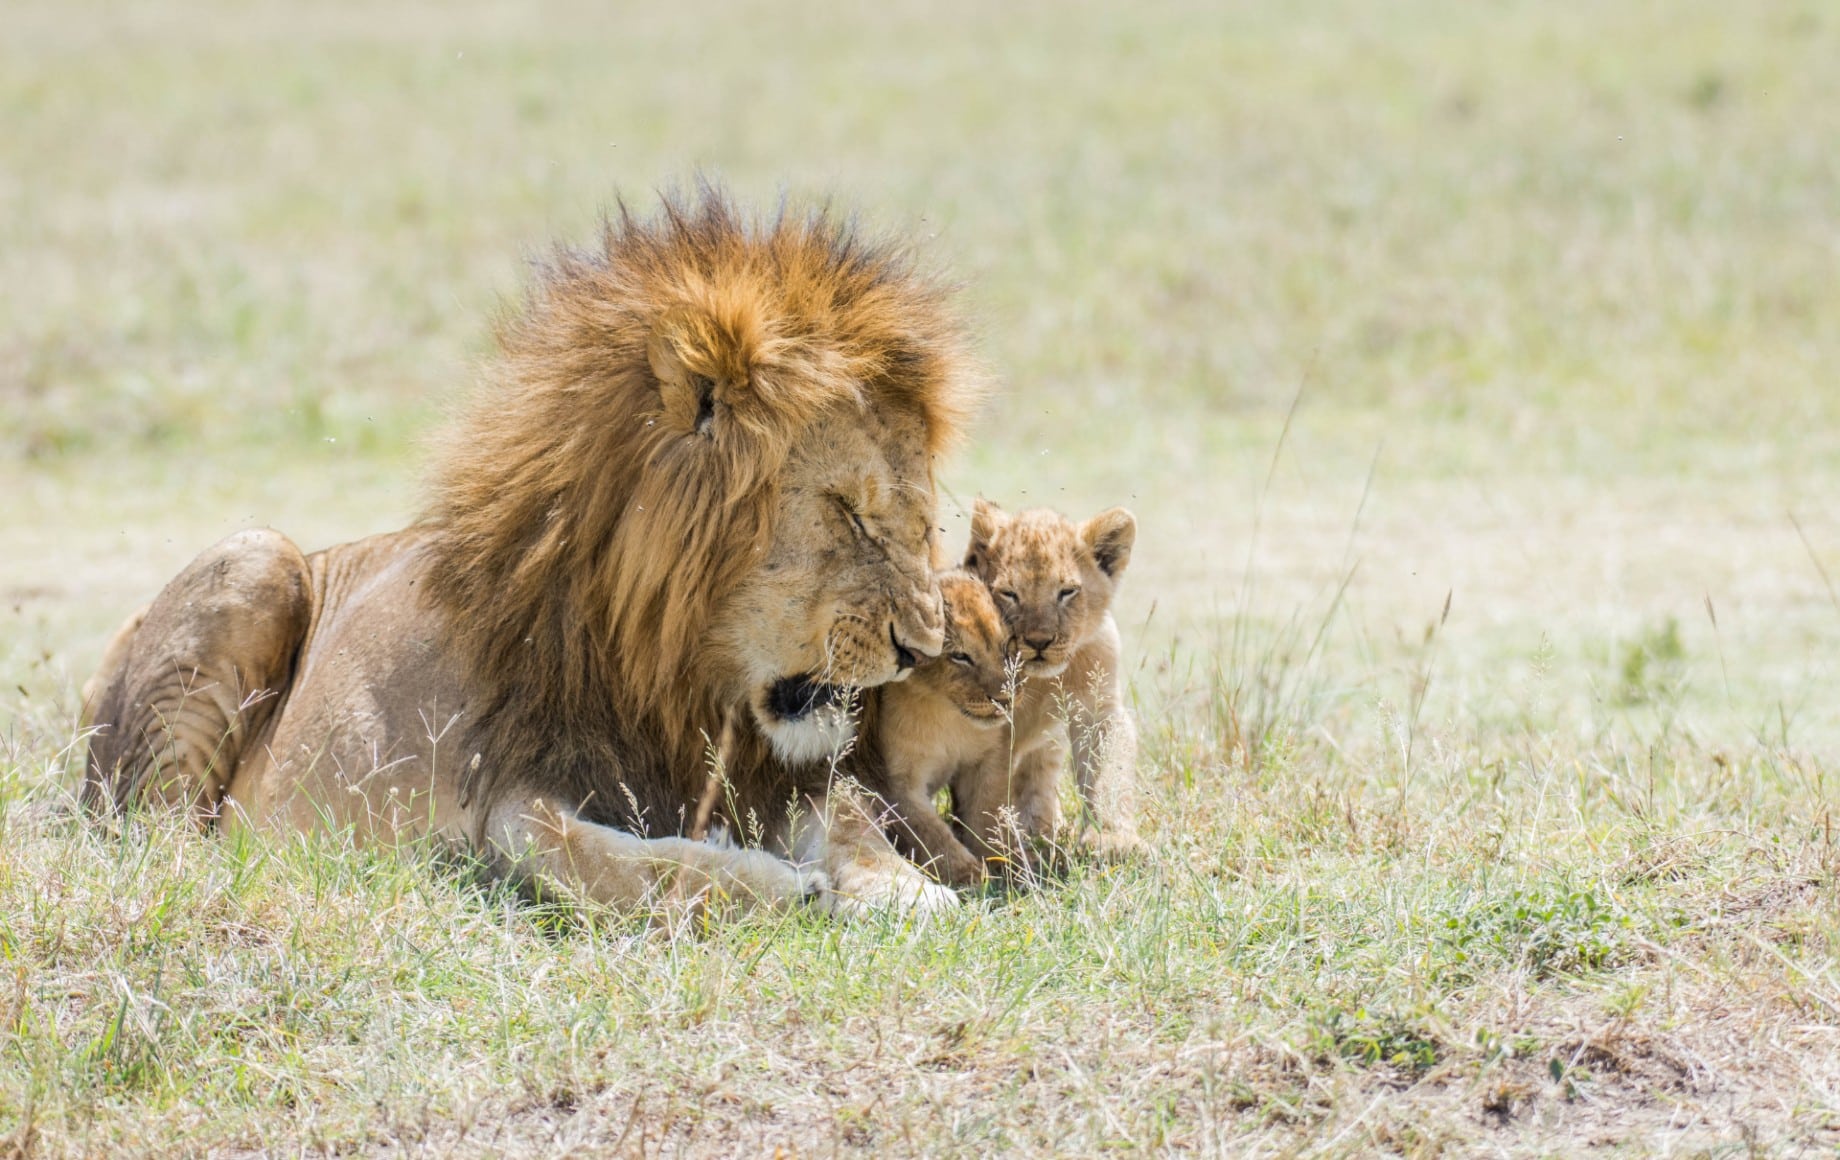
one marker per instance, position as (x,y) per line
(1471,370)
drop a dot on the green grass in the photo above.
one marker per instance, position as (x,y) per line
(1469,368)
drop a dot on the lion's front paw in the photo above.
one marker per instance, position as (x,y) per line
(772,882)
(923,898)
(864,893)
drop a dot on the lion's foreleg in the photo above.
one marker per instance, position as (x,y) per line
(840,832)
(532,837)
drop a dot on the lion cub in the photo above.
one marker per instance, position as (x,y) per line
(943,718)
(1053,582)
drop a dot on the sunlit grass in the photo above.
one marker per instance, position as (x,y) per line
(1565,926)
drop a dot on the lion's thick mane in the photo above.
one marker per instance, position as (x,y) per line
(579,542)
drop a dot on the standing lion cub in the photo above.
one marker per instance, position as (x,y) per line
(1053,582)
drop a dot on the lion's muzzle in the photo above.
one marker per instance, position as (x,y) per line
(795,698)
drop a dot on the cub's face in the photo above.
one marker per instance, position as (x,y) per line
(1052,579)
(969,672)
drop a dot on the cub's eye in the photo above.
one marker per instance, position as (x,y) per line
(1069,593)
(962,659)
(1008,596)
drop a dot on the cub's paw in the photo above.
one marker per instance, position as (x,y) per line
(1111,845)
(960,868)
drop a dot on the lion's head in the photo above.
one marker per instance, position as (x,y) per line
(698,482)
(843,597)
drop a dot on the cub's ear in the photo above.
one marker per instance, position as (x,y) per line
(986,518)
(689,396)
(1110,535)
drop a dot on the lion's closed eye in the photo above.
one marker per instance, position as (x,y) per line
(854,514)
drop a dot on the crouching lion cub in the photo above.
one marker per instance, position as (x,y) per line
(1053,582)
(942,719)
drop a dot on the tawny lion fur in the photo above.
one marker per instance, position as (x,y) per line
(947,716)
(693,495)
(580,561)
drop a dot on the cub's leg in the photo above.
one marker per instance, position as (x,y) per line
(840,832)
(1105,770)
(1006,810)
(920,833)
(180,694)
(532,836)
(1104,741)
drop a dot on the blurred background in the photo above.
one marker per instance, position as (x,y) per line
(1476,359)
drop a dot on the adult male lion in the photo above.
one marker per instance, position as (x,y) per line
(694,497)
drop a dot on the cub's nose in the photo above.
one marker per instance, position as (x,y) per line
(1038,643)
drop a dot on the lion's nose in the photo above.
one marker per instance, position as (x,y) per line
(1038,643)
(904,657)
(917,629)
(932,609)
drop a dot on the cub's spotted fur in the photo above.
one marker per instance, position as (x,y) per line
(1053,582)
(945,717)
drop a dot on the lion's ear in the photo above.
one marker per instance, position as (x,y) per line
(1110,535)
(986,517)
(689,397)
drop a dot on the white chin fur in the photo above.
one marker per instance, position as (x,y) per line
(1044,670)
(818,736)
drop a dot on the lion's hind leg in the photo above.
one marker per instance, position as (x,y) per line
(114,657)
(179,695)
